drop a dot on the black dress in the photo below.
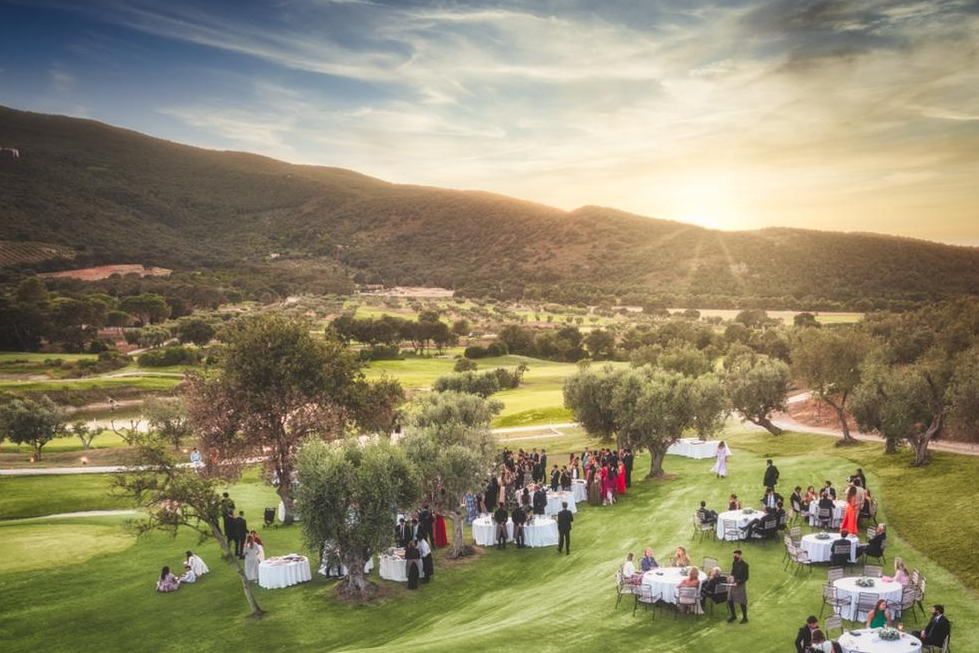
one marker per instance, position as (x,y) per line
(412,558)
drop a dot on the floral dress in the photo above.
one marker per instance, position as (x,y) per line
(472,508)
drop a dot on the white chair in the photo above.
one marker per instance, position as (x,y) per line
(833,600)
(833,574)
(647,598)
(703,528)
(866,602)
(802,560)
(833,622)
(872,571)
(688,600)
(730,529)
(622,588)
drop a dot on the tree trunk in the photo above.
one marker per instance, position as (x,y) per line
(285,493)
(458,534)
(890,445)
(920,441)
(841,415)
(767,424)
(37,451)
(245,586)
(355,585)
(656,463)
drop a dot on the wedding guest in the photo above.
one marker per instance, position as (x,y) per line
(198,565)
(712,586)
(629,461)
(852,507)
(680,559)
(810,496)
(188,576)
(428,563)
(692,579)
(168,582)
(795,499)
(880,616)
(819,643)
(840,559)
(472,507)
(629,574)
(938,628)
(900,572)
(564,519)
(720,466)
(875,546)
(254,553)
(500,519)
(412,561)
(804,637)
(540,502)
(733,503)
(196,460)
(648,561)
(829,489)
(227,507)
(771,474)
(239,530)
(519,518)
(402,533)
(706,515)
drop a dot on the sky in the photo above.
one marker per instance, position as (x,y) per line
(847,115)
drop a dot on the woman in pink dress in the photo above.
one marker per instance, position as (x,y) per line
(620,479)
(852,510)
(168,582)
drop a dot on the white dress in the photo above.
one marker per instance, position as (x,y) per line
(720,467)
(198,566)
(254,554)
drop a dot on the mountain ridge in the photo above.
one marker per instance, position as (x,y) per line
(110,192)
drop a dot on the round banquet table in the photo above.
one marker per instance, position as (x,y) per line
(484,531)
(738,516)
(275,572)
(580,489)
(663,581)
(883,589)
(868,642)
(820,550)
(341,571)
(393,567)
(839,510)
(554,500)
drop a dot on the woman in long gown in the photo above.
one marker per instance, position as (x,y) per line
(606,487)
(620,479)
(594,487)
(852,509)
(472,507)
(723,453)
(440,536)
(254,554)
(412,562)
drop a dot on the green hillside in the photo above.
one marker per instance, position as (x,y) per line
(116,196)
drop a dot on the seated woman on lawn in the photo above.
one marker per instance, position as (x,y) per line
(680,558)
(168,582)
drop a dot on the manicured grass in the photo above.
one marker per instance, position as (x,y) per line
(149,383)
(33,546)
(36,496)
(490,603)
(31,357)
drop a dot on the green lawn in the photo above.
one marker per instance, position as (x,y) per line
(36,496)
(150,382)
(107,602)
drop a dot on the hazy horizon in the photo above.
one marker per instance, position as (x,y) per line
(732,115)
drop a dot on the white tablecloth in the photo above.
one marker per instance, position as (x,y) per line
(580,489)
(738,516)
(554,500)
(868,642)
(847,588)
(368,566)
(663,581)
(394,568)
(693,448)
(820,550)
(273,574)
(838,513)
(282,513)
(536,533)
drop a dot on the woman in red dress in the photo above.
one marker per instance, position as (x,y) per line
(620,479)
(440,536)
(852,510)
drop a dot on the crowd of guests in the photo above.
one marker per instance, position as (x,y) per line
(811,639)
(194,568)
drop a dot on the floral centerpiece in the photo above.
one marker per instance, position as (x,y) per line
(823,536)
(864,582)
(889,634)
(684,571)
(748,511)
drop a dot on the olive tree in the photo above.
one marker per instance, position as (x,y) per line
(35,423)
(349,493)
(757,386)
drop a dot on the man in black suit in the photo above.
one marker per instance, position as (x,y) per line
(426,524)
(738,592)
(500,518)
(804,637)
(543,463)
(938,627)
(840,559)
(829,489)
(771,498)
(628,460)
(540,502)
(227,514)
(555,479)
(240,528)
(771,474)
(402,533)
(519,519)
(564,519)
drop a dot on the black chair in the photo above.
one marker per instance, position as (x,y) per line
(269,516)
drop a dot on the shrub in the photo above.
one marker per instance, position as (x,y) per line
(472,383)
(172,355)
(381,353)
(465,365)
(497,348)
(475,351)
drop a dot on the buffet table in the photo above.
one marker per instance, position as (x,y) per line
(693,448)
(392,566)
(537,532)
(284,571)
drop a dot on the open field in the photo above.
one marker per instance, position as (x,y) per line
(480,604)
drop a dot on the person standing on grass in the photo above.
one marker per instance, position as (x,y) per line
(564,519)
(428,564)
(240,529)
(720,465)
(738,592)
(629,460)
(500,518)
(227,514)
(804,637)
(771,474)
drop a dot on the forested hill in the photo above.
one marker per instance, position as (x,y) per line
(117,196)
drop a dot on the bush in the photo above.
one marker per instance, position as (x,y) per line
(475,351)
(465,365)
(381,353)
(483,384)
(497,348)
(173,355)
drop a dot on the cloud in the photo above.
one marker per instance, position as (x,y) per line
(61,80)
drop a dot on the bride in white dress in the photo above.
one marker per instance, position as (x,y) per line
(723,453)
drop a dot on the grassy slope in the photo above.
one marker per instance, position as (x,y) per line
(484,604)
(35,496)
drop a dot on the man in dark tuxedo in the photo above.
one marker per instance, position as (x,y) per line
(491,497)
(564,519)
(771,474)
(804,637)
(240,528)
(555,479)
(425,524)
(840,559)
(830,490)
(415,530)
(227,514)
(771,498)
(540,502)
(500,518)
(738,592)
(628,460)
(938,627)
(402,533)
(543,463)
(519,518)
